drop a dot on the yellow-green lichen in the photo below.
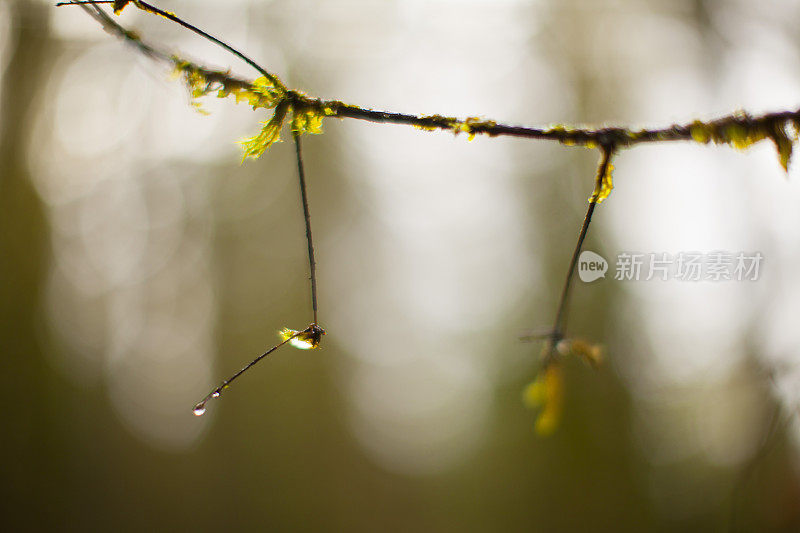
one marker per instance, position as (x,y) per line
(269,134)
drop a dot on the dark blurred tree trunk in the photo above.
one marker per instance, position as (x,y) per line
(28,403)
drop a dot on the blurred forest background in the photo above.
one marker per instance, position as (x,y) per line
(141,263)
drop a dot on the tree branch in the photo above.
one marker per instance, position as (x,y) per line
(738,129)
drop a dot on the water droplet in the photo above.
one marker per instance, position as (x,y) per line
(199,409)
(302,344)
(308,339)
(215,394)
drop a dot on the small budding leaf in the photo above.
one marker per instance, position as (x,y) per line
(308,339)
(547,394)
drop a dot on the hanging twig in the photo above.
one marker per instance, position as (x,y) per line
(559,325)
(312,265)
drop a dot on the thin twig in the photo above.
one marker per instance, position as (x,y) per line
(200,408)
(144,6)
(111,27)
(312,265)
(559,325)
